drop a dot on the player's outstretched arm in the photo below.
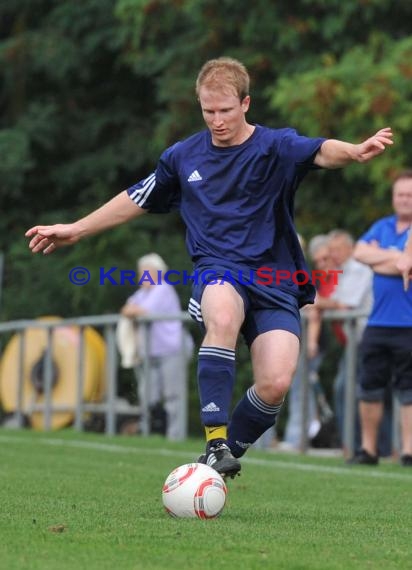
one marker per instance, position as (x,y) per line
(115,212)
(335,153)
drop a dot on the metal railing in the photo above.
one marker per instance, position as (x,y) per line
(109,406)
(350,318)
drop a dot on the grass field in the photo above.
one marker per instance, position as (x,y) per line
(85,501)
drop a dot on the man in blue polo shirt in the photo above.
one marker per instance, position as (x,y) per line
(387,341)
(234,184)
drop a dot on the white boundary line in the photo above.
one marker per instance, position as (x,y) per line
(368,472)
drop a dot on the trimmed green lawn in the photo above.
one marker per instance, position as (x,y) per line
(87,501)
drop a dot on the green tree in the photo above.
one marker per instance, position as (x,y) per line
(334,98)
(75,129)
(92,91)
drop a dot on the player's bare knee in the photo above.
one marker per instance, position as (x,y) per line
(273,391)
(222,324)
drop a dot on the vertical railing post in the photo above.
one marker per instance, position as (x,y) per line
(144,378)
(350,388)
(185,394)
(304,387)
(48,378)
(111,366)
(20,378)
(78,422)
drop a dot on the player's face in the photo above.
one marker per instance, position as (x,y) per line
(402,199)
(224,115)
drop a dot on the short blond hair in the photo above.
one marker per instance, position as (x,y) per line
(223,72)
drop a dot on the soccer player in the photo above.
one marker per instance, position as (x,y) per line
(234,184)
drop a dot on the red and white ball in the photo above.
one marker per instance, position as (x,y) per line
(194,490)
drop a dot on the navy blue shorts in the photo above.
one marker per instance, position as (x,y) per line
(265,309)
(386,359)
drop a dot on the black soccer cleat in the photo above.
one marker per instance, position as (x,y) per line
(362,457)
(220,458)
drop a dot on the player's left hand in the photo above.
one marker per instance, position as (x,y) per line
(375,145)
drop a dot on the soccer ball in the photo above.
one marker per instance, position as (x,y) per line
(194,490)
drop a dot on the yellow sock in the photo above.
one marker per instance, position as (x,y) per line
(216,432)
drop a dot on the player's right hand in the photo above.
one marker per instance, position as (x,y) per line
(49,238)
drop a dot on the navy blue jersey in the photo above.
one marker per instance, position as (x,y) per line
(237,202)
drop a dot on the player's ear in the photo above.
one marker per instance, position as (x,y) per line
(245,103)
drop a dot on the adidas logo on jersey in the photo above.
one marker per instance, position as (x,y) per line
(194,177)
(211,408)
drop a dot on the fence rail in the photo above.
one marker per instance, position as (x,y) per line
(110,406)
